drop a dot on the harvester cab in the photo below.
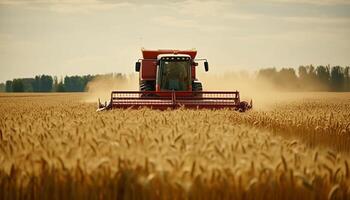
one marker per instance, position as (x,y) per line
(167,79)
(169,72)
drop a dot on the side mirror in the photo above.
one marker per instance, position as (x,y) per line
(137,66)
(206,66)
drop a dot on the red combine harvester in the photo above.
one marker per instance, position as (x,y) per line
(168,80)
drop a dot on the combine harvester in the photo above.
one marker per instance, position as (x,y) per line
(167,79)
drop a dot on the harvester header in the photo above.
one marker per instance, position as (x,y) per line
(167,80)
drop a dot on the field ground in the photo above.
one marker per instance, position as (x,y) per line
(55,146)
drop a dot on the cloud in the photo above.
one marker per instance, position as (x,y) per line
(174,22)
(314,2)
(320,2)
(196,8)
(66,6)
(317,20)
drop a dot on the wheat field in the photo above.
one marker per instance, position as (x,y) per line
(55,146)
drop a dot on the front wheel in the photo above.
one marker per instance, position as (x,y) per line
(243,106)
(147,86)
(197,86)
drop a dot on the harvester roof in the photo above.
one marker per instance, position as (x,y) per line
(153,54)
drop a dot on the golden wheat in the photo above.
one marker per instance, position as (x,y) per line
(54,146)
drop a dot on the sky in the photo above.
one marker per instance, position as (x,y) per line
(76,37)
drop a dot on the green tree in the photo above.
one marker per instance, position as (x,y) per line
(337,78)
(55,84)
(60,86)
(8,86)
(17,85)
(347,78)
(36,84)
(46,83)
(76,83)
(2,87)
(28,84)
(323,77)
(43,83)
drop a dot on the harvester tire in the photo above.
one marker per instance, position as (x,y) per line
(147,85)
(197,86)
(243,106)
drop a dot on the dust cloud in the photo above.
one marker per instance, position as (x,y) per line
(262,92)
(101,86)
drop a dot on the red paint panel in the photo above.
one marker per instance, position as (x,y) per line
(193,72)
(152,54)
(148,69)
(165,100)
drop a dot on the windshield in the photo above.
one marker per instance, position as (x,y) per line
(174,75)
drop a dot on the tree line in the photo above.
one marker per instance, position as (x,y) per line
(305,78)
(46,83)
(309,78)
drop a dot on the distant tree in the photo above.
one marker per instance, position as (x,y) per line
(287,79)
(311,72)
(2,87)
(337,78)
(87,79)
(27,84)
(312,83)
(307,77)
(302,71)
(303,77)
(76,83)
(17,85)
(43,83)
(73,84)
(60,87)
(269,74)
(36,84)
(347,78)
(55,84)
(46,83)
(8,86)
(323,77)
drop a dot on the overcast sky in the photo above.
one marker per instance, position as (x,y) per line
(68,37)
